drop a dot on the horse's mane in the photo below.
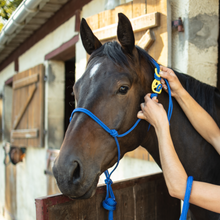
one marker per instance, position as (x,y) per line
(207,96)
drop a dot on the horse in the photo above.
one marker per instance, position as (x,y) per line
(116,79)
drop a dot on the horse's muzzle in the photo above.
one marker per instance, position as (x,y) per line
(72,182)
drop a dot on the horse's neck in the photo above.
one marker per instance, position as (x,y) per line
(199,159)
(207,96)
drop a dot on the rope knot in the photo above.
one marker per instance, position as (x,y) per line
(114,133)
(157,76)
(108,181)
(109,204)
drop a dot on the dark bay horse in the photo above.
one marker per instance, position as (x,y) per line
(117,78)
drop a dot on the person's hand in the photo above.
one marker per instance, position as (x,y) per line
(153,112)
(175,85)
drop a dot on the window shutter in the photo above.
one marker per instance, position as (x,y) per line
(28,108)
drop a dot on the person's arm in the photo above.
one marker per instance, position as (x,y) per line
(203,194)
(198,117)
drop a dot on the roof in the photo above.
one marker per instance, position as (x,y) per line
(28,17)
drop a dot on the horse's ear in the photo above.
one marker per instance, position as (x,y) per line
(125,33)
(89,40)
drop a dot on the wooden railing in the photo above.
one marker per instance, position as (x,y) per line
(140,198)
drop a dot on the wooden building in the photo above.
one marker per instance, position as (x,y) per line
(41,56)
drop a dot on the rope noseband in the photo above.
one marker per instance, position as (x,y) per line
(109,203)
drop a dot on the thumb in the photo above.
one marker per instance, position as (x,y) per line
(164,75)
(166,72)
(141,115)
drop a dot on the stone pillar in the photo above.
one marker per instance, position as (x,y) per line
(203,27)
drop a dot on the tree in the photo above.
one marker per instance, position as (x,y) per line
(7,7)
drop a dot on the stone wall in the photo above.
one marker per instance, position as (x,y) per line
(195,51)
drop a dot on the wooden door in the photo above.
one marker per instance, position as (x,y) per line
(28,108)
(10,192)
(10,170)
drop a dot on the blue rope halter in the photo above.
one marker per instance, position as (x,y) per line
(110,203)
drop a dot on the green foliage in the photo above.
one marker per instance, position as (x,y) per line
(6,9)
(1,25)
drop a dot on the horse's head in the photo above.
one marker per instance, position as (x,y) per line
(112,88)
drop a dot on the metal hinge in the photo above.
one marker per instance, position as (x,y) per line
(178,24)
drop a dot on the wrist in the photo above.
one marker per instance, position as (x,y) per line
(180,93)
(162,126)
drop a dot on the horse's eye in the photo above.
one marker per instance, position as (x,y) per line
(123,90)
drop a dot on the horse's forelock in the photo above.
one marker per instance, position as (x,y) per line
(113,51)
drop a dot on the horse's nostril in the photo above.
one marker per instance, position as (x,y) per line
(75,174)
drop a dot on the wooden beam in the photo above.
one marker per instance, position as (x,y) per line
(16,63)
(25,81)
(24,107)
(25,133)
(141,23)
(140,198)
(51,7)
(106,18)
(9,82)
(65,52)
(93,21)
(139,8)
(126,9)
(146,41)
(78,20)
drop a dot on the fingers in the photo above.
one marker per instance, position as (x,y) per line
(141,115)
(148,98)
(166,72)
(162,81)
(164,86)
(155,99)
(163,68)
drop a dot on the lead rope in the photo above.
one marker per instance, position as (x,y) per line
(110,203)
(157,89)
(186,198)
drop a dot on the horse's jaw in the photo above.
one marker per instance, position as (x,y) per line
(80,191)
